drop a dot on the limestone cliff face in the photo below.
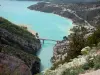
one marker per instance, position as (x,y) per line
(18,44)
(60,51)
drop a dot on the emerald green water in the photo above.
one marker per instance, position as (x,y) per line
(48,25)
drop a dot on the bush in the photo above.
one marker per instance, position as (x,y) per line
(85,50)
(97,62)
(98,45)
(77,41)
(92,63)
(73,71)
(86,66)
(94,38)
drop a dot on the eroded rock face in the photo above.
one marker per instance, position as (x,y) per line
(18,48)
(61,51)
(35,67)
(32,62)
(10,65)
(26,45)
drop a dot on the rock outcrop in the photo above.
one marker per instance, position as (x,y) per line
(18,44)
(60,51)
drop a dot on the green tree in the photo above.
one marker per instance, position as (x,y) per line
(94,38)
(77,41)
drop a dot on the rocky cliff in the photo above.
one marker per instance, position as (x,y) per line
(18,49)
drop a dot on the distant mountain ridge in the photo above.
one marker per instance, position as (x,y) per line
(29,0)
(64,1)
(71,1)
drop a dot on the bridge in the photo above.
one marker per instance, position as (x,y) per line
(48,40)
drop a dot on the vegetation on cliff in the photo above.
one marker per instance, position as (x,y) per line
(5,24)
(17,42)
(95,37)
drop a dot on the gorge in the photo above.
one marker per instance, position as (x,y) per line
(82,14)
(47,25)
(76,51)
(86,18)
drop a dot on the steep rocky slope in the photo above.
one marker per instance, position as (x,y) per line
(18,46)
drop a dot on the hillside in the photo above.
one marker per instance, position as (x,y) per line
(84,13)
(18,49)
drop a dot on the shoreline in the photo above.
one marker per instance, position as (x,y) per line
(28,28)
(80,15)
(73,24)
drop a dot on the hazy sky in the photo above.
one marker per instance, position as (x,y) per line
(70,0)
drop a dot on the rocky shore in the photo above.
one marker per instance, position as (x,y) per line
(18,49)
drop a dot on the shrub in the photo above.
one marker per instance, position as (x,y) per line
(73,71)
(90,62)
(77,41)
(86,66)
(85,50)
(98,45)
(97,62)
(94,38)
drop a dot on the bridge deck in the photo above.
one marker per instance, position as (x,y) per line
(48,39)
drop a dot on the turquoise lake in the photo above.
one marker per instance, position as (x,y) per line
(48,25)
